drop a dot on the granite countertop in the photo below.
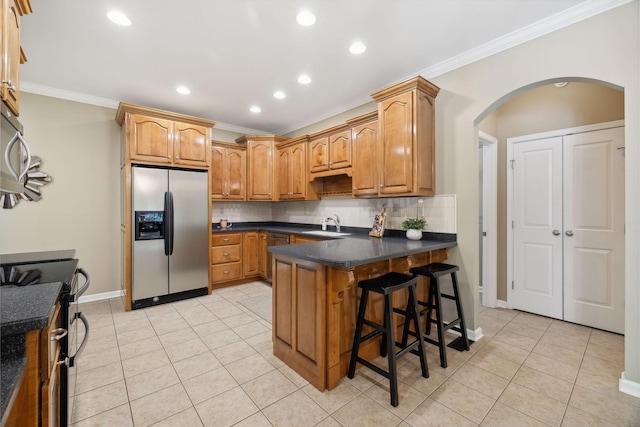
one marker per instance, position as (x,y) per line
(357,248)
(25,308)
(22,309)
(351,251)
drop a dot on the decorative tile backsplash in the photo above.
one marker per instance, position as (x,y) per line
(439,211)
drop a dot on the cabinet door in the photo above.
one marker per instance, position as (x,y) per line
(340,150)
(217,172)
(191,144)
(11,56)
(260,176)
(395,116)
(262,254)
(250,257)
(235,167)
(319,155)
(151,139)
(365,170)
(299,306)
(284,184)
(298,172)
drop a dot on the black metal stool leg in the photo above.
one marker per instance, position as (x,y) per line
(391,352)
(463,326)
(439,322)
(414,312)
(358,333)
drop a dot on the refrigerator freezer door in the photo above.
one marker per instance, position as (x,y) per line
(189,262)
(150,265)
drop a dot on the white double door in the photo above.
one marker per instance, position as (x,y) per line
(568,228)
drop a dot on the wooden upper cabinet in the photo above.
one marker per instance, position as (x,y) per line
(228,166)
(164,138)
(292,171)
(191,144)
(406,146)
(364,134)
(330,152)
(319,155)
(261,173)
(151,139)
(340,150)
(12,55)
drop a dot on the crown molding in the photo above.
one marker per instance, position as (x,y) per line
(68,95)
(530,32)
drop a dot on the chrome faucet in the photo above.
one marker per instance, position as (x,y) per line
(336,221)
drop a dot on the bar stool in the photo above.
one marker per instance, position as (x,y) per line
(433,272)
(386,285)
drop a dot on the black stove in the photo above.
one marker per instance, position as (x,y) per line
(35,268)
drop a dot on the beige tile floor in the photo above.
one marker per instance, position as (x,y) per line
(208,361)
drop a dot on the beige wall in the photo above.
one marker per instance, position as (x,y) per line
(539,110)
(336,120)
(79,148)
(468,94)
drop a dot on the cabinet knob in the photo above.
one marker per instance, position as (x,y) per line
(225,254)
(381,186)
(354,188)
(225,240)
(226,272)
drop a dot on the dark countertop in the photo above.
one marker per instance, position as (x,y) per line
(25,308)
(12,367)
(346,251)
(22,309)
(352,251)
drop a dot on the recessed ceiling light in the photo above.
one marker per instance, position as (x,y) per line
(357,48)
(119,18)
(279,95)
(255,109)
(304,79)
(306,18)
(183,90)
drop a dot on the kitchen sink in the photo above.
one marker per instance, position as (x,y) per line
(325,233)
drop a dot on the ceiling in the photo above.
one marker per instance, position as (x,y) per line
(234,54)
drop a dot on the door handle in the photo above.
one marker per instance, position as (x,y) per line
(569,233)
(556,232)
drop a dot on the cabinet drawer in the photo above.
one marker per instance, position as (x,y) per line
(225,272)
(226,239)
(222,254)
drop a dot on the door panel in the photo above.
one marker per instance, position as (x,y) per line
(537,212)
(594,214)
(189,263)
(150,264)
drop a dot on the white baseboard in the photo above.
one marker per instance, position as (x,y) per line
(475,335)
(501,304)
(629,387)
(471,334)
(98,297)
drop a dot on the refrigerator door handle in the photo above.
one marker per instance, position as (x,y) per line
(168,235)
(171,223)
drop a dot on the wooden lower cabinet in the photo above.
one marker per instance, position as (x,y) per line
(299,307)
(262,254)
(315,307)
(250,258)
(37,402)
(226,257)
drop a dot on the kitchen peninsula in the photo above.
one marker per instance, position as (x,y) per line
(315,298)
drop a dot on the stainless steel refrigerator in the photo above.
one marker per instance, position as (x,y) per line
(171,226)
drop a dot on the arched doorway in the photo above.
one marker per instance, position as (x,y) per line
(541,107)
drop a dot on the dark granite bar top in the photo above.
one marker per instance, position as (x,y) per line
(25,308)
(12,365)
(353,251)
(22,309)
